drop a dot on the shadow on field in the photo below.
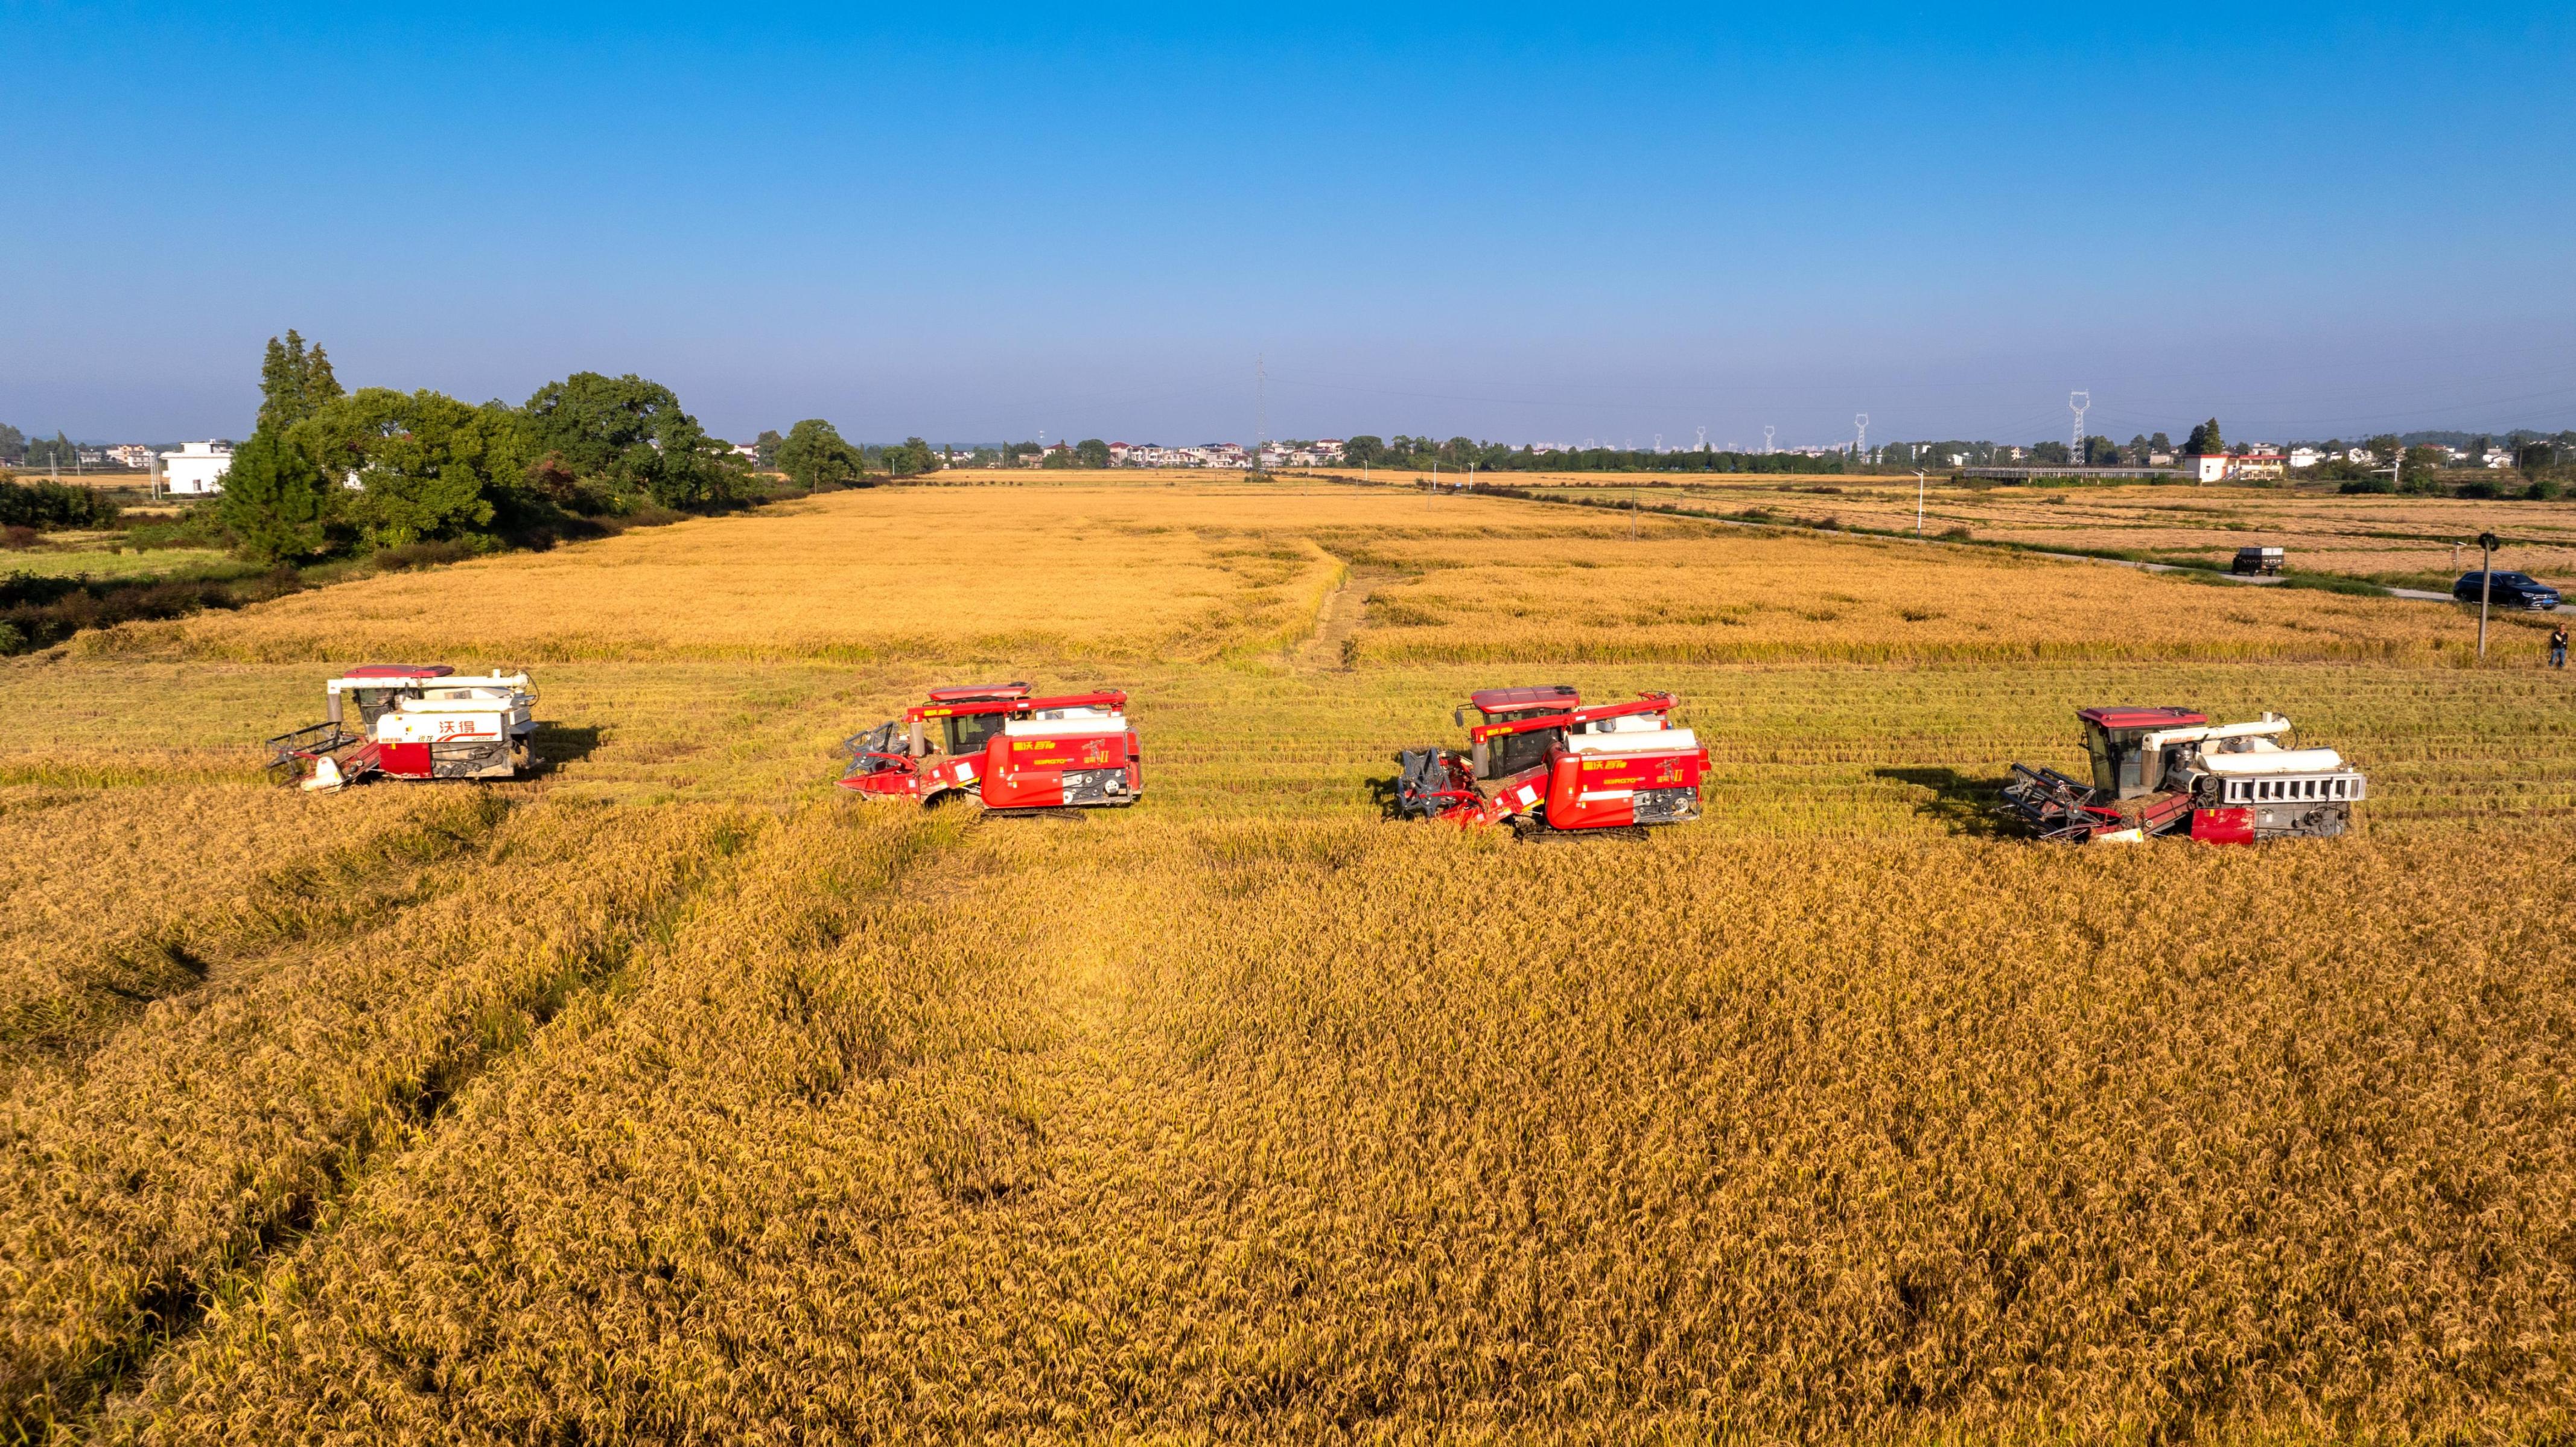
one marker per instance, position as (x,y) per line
(561,744)
(1382,794)
(1965,803)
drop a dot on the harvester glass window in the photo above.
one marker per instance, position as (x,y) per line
(374,703)
(1509,754)
(967,733)
(2118,761)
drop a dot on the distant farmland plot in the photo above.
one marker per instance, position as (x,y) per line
(669,1096)
(2406,541)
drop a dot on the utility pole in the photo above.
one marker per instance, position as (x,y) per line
(2487,545)
(1918,504)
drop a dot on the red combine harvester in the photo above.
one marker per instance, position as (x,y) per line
(413,723)
(2170,771)
(996,744)
(1542,761)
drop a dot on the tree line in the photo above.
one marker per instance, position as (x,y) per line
(329,471)
(1461,453)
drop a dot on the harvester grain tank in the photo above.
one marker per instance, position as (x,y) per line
(1011,752)
(413,722)
(1541,761)
(2159,771)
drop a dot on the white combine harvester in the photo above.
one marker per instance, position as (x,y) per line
(2170,770)
(414,723)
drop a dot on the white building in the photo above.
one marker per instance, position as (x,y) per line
(131,454)
(197,468)
(2305,457)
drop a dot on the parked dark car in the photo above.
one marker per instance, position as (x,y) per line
(2511,590)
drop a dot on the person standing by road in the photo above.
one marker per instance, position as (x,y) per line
(2558,646)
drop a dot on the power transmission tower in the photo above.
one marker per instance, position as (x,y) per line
(1767,430)
(1860,448)
(2078,402)
(1703,439)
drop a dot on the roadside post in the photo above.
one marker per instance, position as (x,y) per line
(1918,504)
(2487,545)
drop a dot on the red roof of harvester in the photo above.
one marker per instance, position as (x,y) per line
(978,693)
(1525,700)
(2131,716)
(399,670)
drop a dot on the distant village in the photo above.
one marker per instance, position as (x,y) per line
(197,468)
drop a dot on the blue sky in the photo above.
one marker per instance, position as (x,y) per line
(1519,224)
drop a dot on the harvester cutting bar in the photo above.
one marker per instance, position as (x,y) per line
(311,741)
(2052,804)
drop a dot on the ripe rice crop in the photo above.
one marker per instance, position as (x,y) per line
(1804,1137)
(668,1095)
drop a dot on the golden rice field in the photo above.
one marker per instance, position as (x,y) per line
(2416,542)
(667,1097)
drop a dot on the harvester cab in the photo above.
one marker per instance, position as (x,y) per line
(2163,771)
(1539,760)
(413,722)
(998,745)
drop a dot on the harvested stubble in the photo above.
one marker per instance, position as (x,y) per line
(1690,593)
(2357,536)
(1033,1136)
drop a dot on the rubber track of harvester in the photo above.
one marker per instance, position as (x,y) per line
(1545,835)
(1071,814)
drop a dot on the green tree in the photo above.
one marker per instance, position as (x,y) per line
(2385,446)
(2160,443)
(1060,457)
(630,436)
(13,443)
(294,383)
(2205,439)
(54,451)
(278,505)
(2049,454)
(912,459)
(766,444)
(427,467)
(2533,456)
(815,457)
(1363,449)
(1093,452)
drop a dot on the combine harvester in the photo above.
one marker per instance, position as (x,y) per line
(1011,753)
(413,723)
(1545,764)
(2163,771)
